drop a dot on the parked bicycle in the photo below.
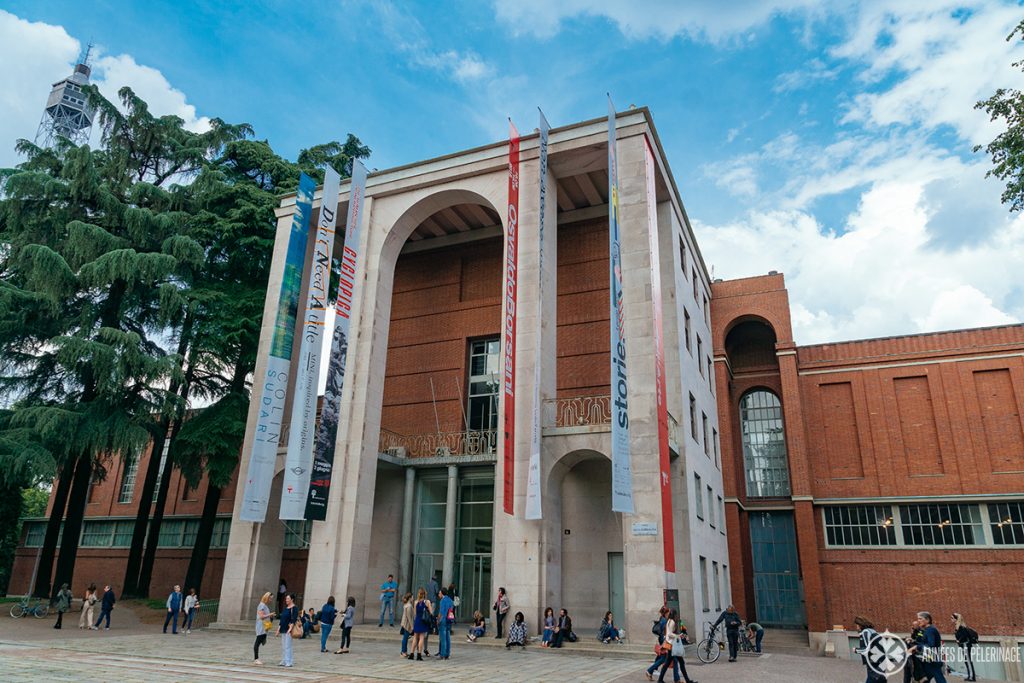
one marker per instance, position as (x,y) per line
(747,645)
(37,607)
(710,649)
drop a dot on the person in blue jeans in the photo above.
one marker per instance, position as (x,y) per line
(932,655)
(388,591)
(446,618)
(756,633)
(328,614)
(174,604)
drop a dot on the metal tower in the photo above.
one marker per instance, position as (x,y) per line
(67,112)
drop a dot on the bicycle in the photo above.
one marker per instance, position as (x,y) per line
(710,649)
(39,608)
(746,644)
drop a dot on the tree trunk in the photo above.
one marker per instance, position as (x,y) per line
(77,499)
(60,502)
(131,572)
(197,563)
(11,503)
(153,537)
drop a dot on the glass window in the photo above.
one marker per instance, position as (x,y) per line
(698,496)
(296,534)
(686,329)
(764,445)
(163,463)
(1007,522)
(721,516)
(693,418)
(170,533)
(484,384)
(859,525)
(711,507)
(941,525)
(714,444)
(718,586)
(704,584)
(131,469)
(97,534)
(433,498)
(682,256)
(123,533)
(34,533)
(700,354)
(704,427)
(711,375)
(695,295)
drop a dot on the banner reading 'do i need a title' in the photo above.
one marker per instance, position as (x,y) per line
(300,438)
(668,542)
(622,472)
(511,287)
(348,291)
(533,496)
(273,390)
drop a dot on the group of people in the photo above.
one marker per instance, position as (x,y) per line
(64,599)
(672,638)
(183,606)
(294,624)
(924,646)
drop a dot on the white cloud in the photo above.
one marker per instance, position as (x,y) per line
(35,55)
(462,67)
(710,20)
(813,72)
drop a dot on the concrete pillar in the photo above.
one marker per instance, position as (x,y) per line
(405,549)
(451,507)
(521,547)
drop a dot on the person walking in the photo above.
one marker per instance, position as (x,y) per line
(966,638)
(931,654)
(660,655)
(289,618)
(264,622)
(174,603)
(501,607)
(549,627)
(106,607)
(63,604)
(756,632)
(88,607)
(346,627)
(406,624)
(867,634)
(189,612)
(446,620)
(421,624)
(388,590)
(328,613)
(732,630)
(675,638)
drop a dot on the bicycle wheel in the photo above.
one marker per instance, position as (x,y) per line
(708,651)
(18,610)
(41,611)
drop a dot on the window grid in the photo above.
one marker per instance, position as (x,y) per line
(174,533)
(860,525)
(131,470)
(1006,522)
(942,525)
(764,445)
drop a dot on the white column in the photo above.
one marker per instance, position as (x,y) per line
(405,549)
(448,566)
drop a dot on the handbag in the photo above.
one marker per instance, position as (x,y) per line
(267,624)
(295,631)
(678,647)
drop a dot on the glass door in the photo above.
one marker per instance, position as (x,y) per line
(778,592)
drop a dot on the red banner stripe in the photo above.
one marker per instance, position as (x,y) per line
(511,291)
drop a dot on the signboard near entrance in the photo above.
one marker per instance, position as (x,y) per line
(645,528)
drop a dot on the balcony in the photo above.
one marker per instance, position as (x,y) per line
(482,444)
(580,414)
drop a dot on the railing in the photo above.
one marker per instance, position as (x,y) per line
(471,442)
(206,613)
(578,411)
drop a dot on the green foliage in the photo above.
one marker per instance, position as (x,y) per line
(1007,150)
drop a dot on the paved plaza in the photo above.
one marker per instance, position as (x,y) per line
(135,652)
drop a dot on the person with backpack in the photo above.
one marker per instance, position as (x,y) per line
(966,638)
(675,639)
(867,634)
(658,629)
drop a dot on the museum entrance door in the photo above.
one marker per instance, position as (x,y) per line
(778,591)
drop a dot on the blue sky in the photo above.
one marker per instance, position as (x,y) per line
(828,141)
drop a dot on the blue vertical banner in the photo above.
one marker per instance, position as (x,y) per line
(348,292)
(622,472)
(273,390)
(299,460)
(533,487)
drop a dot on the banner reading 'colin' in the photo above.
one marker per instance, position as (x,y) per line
(622,472)
(667,534)
(300,438)
(274,389)
(533,497)
(326,435)
(511,287)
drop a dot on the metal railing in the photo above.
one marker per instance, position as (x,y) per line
(441,444)
(578,411)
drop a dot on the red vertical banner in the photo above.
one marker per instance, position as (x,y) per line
(667,529)
(511,290)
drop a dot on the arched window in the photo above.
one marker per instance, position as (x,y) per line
(764,445)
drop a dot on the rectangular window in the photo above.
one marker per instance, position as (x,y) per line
(721,515)
(97,534)
(693,418)
(696,298)
(725,583)
(123,533)
(711,507)
(698,496)
(859,525)
(686,330)
(941,525)
(1007,522)
(714,445)
(131,469)
(682,256)
(704,584)
(297,533)
(163,464)
(700,354)
(484,381)
(707,312)
(34,533)
(718,586)
(704,425)
(711,375)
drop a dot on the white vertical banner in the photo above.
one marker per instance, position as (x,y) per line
(533,495)
(622,468)
(301,436)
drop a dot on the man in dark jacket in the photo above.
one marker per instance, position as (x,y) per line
(63,603)
(106,607)
(563,629)
(931,653)
(732,630)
